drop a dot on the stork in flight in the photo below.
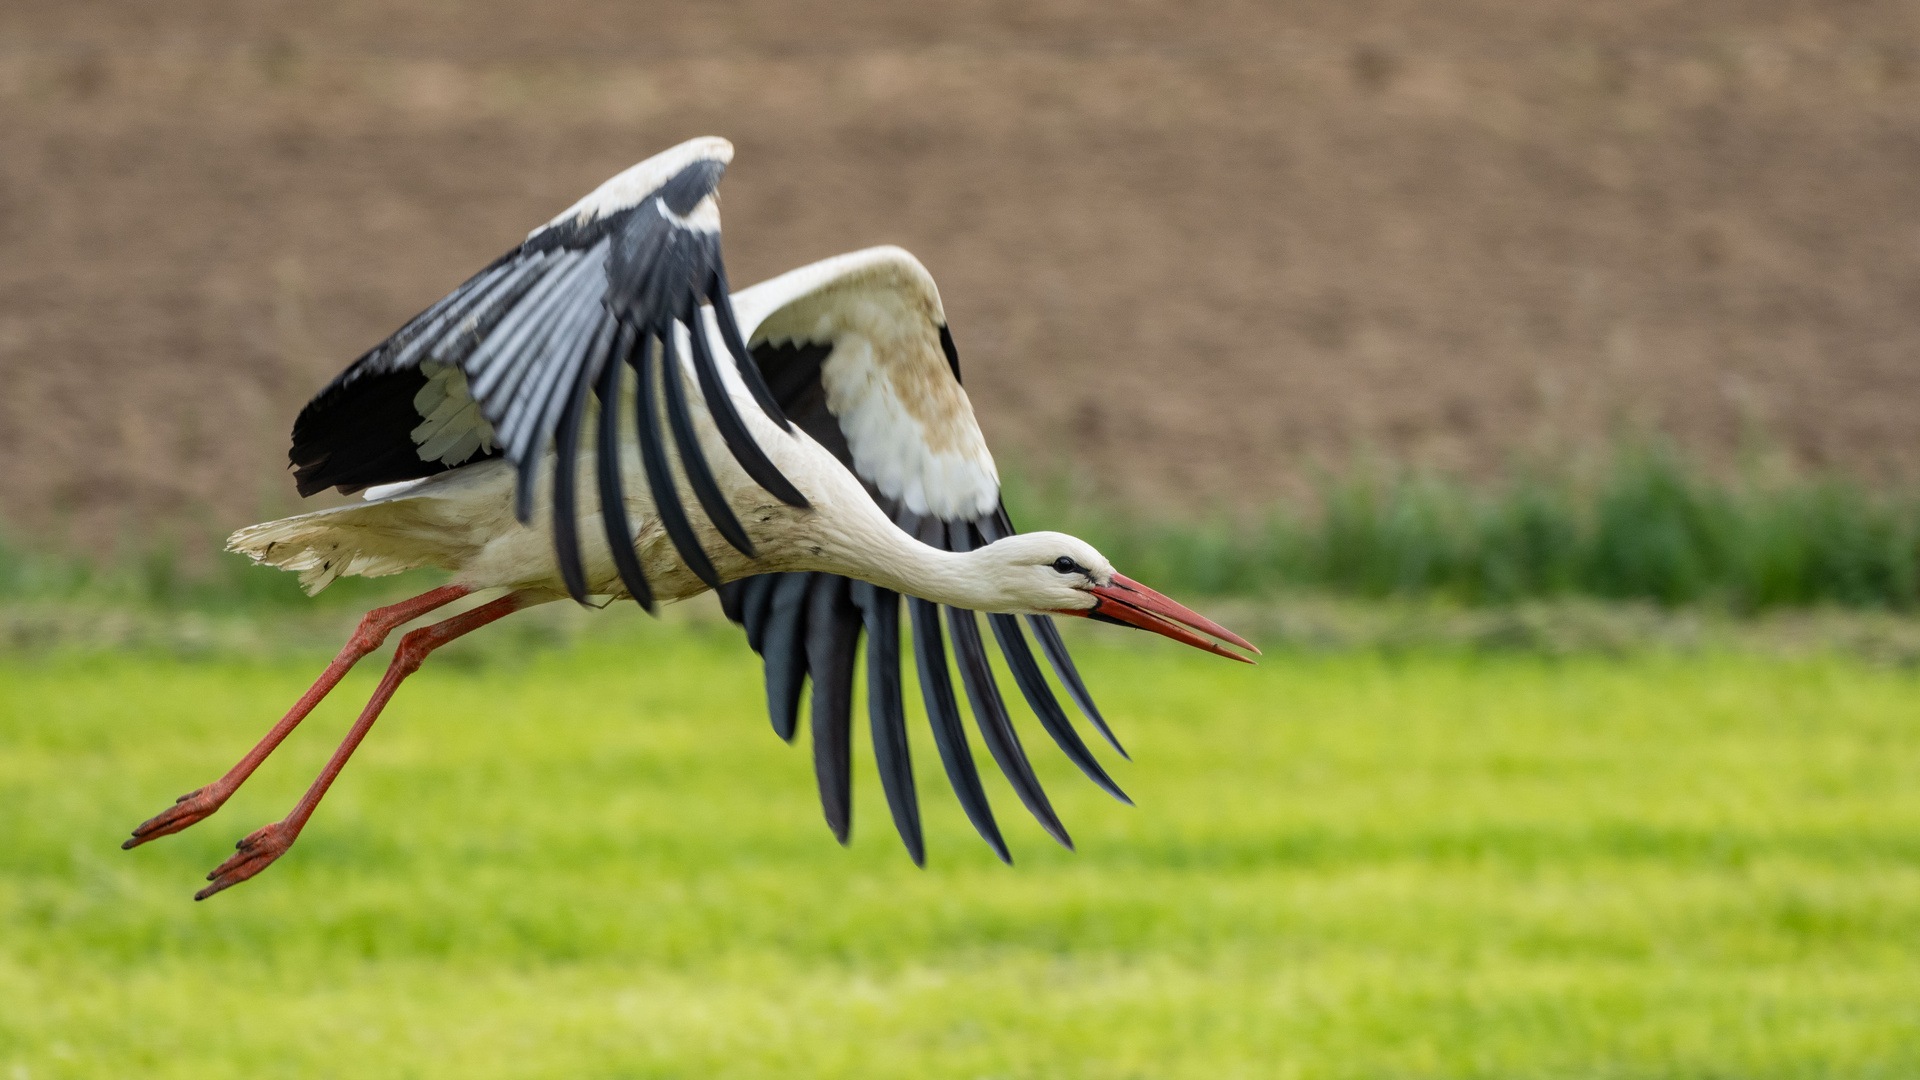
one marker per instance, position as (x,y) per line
(834,461)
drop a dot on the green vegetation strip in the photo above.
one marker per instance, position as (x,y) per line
(598,862)
(1643,524)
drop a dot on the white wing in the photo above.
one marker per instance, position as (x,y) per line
(891,380)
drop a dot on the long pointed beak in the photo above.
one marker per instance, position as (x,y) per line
(1130,603)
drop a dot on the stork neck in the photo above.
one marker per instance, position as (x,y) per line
(879,551)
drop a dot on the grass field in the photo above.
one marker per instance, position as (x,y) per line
(598,862)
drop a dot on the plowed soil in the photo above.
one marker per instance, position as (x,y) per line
(1189,252)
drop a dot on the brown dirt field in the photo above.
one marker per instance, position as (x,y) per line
(1191,250)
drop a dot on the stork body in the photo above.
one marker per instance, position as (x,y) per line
(833,468)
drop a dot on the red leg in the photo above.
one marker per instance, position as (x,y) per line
(373,631)
(263,846)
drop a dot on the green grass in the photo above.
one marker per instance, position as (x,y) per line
(597,862)
(1644,523)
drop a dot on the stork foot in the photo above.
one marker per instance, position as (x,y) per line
(192,807)
(256,852)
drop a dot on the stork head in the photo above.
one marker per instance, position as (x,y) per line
(1055,574)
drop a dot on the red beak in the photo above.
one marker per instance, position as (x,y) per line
(1130,603)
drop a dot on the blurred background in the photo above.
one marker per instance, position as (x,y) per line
(1195,256)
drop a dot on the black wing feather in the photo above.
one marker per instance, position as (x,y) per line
(833,640)
(758,599)
(613,502)
(887,714)
(996,727)
(1033,685)
(692,462)
(566,536)
(949,734)
(730,334)
(1063,666)
(653,455)
(734,430)
(548,400)
(785,651)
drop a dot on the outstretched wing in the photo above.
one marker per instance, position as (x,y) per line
(857,352)
(506,363)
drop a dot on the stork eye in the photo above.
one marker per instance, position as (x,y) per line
(1065,564)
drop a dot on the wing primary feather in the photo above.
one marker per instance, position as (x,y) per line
(755,597)
(997,526)
(566,526)
(613,502)
(887,714)
(460,339)
(996,727)
(1063,666)
(528,445)
(524,367)
(539,402)
(733,598)
(653,455)
(692,461)
(527,347)
(497,356)
(730,334)
(746,450)
(522,427)
(1026,673)
(516,421)
(833,641)
(949,733)
(453,307)
(786,651)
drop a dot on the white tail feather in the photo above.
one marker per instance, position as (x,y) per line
(441,521)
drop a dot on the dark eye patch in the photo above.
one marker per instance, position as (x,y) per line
(1066,565)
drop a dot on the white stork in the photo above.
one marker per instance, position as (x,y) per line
(835,462)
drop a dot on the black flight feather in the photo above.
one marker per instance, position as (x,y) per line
(566,533)
(733,599)
(653,455)
(887,714)
(833,641)
(734,430)
(1063,666)
(1013,645)
(756,598)
(692,461)
(949,733)
(996,727)
(613,501)
(545,407)
(730,334)
(785,652)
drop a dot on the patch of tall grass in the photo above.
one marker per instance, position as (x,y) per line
(1647,524)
